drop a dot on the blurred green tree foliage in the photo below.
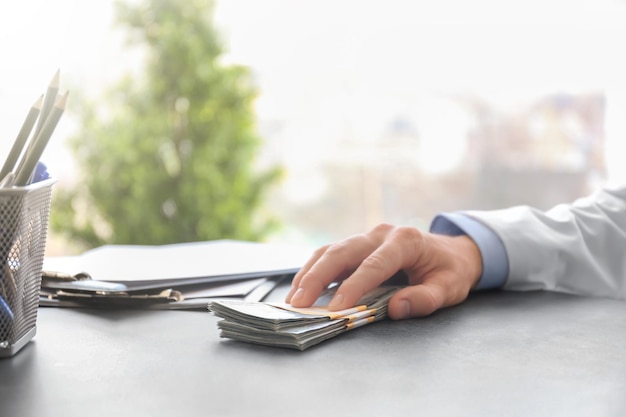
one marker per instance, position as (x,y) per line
(169,154)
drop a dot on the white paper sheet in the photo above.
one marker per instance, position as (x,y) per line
(191,262)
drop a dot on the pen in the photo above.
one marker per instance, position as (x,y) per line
(29,161)
(8,180)
(48,102)
(22,136)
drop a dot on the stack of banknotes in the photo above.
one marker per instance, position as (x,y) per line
(281,325)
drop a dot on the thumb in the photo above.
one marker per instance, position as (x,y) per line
(416,301)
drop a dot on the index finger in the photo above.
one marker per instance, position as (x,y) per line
(397,252)
(295,283)
(335,262)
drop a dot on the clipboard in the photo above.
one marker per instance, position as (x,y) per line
(140,275)
(152,267)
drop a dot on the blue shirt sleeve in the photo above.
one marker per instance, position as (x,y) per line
(494,258)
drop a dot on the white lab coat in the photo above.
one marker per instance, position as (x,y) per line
(577,248)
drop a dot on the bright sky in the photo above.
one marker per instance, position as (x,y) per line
(324,63)
(328,63)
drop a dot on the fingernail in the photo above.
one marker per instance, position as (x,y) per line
(404,309)
(297,296)
(336,302)
(290,294)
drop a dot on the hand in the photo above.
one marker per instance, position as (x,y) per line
(441,270)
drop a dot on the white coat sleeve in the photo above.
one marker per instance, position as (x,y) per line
(577,248)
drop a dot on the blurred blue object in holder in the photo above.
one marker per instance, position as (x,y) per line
(41,173)
(6,320)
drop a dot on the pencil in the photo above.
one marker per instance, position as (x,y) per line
(48,102)
(49,99)
(22,136)
(39,142)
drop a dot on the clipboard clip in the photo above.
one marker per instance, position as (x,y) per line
(54,276)
(82,281)
(82,289)
(120,298)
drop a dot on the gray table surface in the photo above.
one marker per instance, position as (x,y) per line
(498,354)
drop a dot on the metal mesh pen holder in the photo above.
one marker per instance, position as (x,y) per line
(24,214)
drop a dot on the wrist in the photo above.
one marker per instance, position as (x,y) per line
(467,259)
(493,257)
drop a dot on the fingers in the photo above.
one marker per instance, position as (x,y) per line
(368,260)
(392,256)
(295,284)
(328,264)
(424,299)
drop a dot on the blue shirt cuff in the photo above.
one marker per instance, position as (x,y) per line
(494,258)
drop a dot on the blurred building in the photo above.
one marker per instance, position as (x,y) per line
(452,153)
